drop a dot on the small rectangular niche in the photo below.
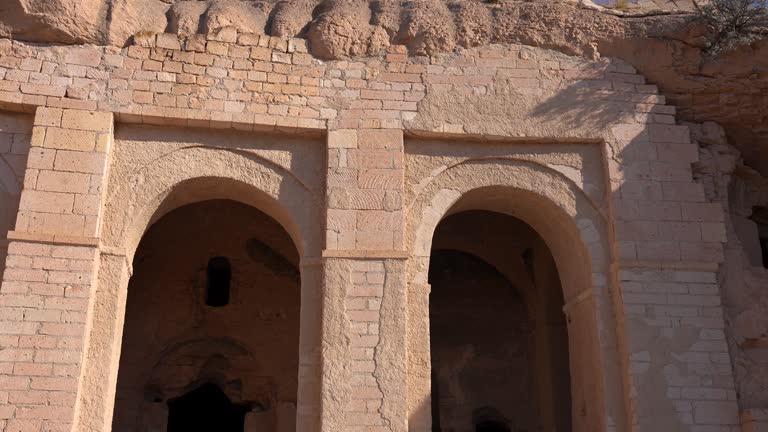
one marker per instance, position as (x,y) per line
(760,217)
(218,279)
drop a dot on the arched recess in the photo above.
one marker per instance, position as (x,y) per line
(574,230)
(135,200)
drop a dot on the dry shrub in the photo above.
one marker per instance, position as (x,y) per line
(734,23)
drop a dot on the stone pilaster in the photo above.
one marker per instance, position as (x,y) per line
(364,302)
(51,265)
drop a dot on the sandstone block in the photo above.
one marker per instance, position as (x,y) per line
(669,134)
(70,139)
(168,41)
(703,212)
(83,56)
(43,89)
(375,240)
(343,138)
(84,162)
(381,138)
(57,181)
(87,120)
(216,48)
(47,202)
(48,116)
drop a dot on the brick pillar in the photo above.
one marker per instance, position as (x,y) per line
(51,263)
(364,362)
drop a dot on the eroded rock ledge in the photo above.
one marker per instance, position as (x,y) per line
(337,28)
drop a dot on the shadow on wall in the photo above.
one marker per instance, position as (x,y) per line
(586,105)
(578,111)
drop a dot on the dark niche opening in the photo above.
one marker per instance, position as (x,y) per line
(205,408)
(760,217)
(435,401)
(491,426)
(498,335)
(219,276)
(488,419)
(764,247)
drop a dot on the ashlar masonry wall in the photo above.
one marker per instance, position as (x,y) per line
(584,151)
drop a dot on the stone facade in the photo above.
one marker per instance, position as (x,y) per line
(359,161)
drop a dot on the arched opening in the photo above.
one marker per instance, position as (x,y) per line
(211,328)
(488,419)
(498,333)
(205,408)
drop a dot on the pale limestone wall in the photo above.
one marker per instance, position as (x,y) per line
(585,152)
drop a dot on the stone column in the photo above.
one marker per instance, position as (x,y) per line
(364,354)
(96,396)
(47,290)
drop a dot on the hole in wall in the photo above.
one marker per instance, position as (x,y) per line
(760,217)
(219,277)
(488,419)
(205,408)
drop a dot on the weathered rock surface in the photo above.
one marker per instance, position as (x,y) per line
(243,16)
(129,17)
(64,21)
(185,17)
(425,26)
(343,29)
(732,90)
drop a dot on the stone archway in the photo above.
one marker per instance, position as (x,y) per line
(498,334)
(175,339)
(573,229)
(139,196)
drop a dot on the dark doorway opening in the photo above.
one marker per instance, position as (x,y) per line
(498,333)
(488,419)
(491,426)
(219,279)
(435,401)
(205,408)
(175,340)
(760,217)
